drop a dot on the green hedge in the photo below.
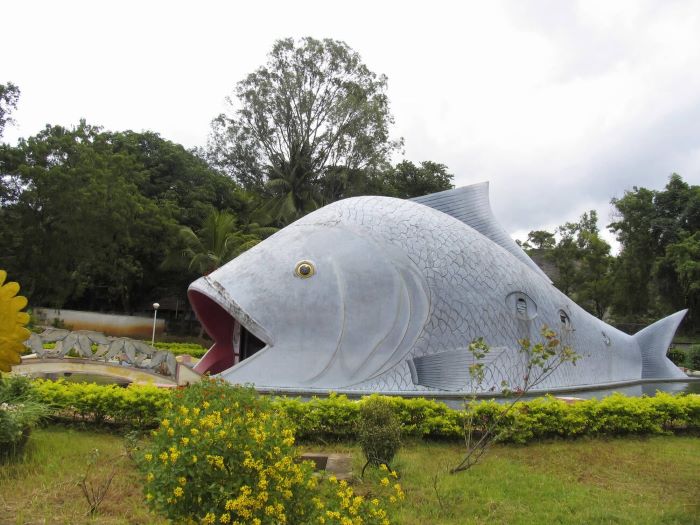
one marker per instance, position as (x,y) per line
(134,406)
(192,349)
(688,356)
(335,417)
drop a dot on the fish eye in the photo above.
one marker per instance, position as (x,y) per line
(304,269)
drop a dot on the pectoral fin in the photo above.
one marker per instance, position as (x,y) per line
(451,370)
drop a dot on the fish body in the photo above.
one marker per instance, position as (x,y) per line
(376,294)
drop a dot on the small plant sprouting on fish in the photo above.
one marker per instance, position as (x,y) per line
(542,358)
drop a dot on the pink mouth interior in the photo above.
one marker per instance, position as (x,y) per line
(220,326)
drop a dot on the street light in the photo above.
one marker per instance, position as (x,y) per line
(155,314)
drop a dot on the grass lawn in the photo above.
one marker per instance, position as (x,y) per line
(632,480)
(43,489)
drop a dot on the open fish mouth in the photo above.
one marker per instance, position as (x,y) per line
(237,336)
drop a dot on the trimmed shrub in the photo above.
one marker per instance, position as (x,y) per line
(677,356)
(19,413)
(694,357)
(378,430)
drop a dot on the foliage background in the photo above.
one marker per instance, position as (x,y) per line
(107,220)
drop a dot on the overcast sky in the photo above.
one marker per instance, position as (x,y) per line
(560,105)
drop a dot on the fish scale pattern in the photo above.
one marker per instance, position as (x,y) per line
(468,279)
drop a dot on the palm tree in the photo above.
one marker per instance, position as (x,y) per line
(217,242)
(294,188)
(252,217)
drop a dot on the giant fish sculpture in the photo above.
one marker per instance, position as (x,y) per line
(376,294)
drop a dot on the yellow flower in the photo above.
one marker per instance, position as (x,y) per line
(394,474)
(178,492)
(225,518)
(12,323)
(384,482)
(216,461)
(205,405)
(148,457)
(383,467)
(149,496)
(194,458)
(185,440)
(209,519)
(163,456)
(150,476)
(182,480)
(165,423)
(171,432)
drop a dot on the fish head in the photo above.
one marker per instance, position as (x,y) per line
(316,305)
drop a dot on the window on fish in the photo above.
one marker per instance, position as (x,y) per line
(521,306)
(565,321)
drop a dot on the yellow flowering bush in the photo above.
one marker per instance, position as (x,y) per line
(222,454)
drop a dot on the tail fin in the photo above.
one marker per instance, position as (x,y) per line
(654,341)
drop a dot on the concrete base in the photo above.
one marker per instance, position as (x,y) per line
(338,465)
(32,365)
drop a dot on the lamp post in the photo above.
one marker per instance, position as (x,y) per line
(155,314)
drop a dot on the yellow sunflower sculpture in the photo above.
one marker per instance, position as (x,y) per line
(12,322)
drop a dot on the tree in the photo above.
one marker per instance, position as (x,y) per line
(217,242)
(407,180)
(581,261)
(312,110)
(177,180)
(292,194)
(654,228)
(684,258)
(87,216)
(594,286)
(565,257)
(79,231)
(9,96)
(540,240)
(633,273)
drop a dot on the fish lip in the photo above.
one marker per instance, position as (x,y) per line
(217,294)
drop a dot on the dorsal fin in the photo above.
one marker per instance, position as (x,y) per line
(470,204)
